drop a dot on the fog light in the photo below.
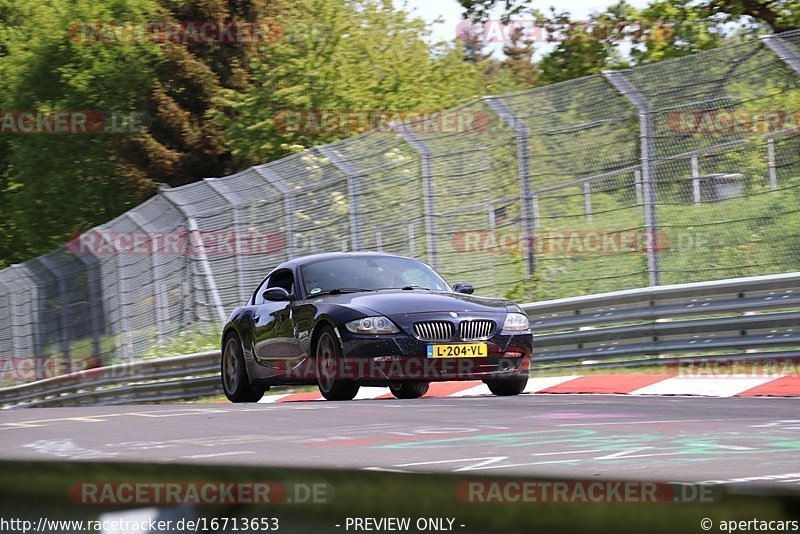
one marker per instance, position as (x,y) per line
(513,354)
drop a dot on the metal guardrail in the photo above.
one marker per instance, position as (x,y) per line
(175,378)
(719,321)
(722,321)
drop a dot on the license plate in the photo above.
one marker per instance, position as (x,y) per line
(465,350)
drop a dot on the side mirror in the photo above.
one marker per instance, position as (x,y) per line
(276,294)
(467,289)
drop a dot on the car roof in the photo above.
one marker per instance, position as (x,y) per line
(303,260)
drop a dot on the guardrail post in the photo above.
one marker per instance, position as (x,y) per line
(529,208)
(288,203)
(208,275)
(352,192)
(428,190)
(782,50)
(647,154)
(222,190)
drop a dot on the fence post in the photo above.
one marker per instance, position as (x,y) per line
(95,293)
(222,190)
(647,154)
(123,340)
(12,323)
(529,208)
(288,203)
(587,201)
(159,306)
(637,186)
(62,311)
(696,195)
(208,275)
(773,173)
(352,192)
(37,347)
(428,190)
(782,50)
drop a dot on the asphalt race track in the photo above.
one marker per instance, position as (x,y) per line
(674,439)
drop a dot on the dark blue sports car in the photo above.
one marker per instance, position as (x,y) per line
(343,320)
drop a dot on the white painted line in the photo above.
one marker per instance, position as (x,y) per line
(650,422)
(196,456)
(269,399)
(474,391)
(712,387)
(365,393)
(539,383)
(385,469)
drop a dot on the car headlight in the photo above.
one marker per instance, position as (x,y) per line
(516,322)
(372,325)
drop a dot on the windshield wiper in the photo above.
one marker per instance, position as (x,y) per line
(406,288)
(340,290)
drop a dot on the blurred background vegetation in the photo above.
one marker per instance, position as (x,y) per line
(213,108)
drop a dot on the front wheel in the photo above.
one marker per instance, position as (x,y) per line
(505,387)
(235,382)
(408,390)
(328,356)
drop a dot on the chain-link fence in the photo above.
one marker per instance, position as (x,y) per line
(685,170)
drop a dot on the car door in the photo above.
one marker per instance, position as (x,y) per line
(275,343)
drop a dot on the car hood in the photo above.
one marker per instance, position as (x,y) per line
(399,302)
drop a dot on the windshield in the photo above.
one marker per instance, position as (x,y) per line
(369,273)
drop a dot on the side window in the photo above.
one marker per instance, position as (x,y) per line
(257,298)
(282,279)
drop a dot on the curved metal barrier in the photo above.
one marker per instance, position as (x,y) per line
(752,318)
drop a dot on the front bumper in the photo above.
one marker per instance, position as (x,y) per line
(378,359)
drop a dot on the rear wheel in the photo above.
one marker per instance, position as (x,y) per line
(408,390)
(235,382)
(504,387)
(328,356)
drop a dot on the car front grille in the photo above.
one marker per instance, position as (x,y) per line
(477,329)
(443,330)
(434,330)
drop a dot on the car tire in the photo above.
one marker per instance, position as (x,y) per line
(235,382)
(327,357)
(505,387)
(408,390)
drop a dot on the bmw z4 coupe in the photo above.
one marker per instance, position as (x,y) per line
(345,320)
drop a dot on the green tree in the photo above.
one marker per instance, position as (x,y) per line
(519,60)
(347,56)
